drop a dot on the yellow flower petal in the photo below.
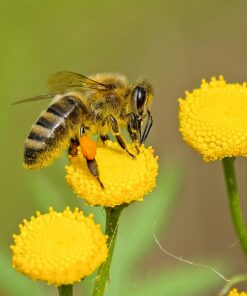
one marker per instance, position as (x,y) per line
(125,179)
(213,119)
(234,292)
(59,248)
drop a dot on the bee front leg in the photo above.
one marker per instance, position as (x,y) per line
(134,129)
(147,128)
(88,149)
(115,130)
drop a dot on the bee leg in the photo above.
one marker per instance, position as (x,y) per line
(93,168)
(134,129)
(115,129)
(147,128)
(104,138)
(89,156)
(123,145)
(73,147)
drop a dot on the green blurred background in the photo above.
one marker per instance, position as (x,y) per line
(174,44)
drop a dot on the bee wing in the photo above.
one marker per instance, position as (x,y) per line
(65,81)
(33,99)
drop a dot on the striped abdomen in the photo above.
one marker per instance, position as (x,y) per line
(51,133)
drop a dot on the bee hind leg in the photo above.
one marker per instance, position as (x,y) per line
(134,129)
(93,168)
(147,128)
(88,149)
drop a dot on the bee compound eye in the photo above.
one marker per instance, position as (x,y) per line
(140,96)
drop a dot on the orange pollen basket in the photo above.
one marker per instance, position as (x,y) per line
(88,147)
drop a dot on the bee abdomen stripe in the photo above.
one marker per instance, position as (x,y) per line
(37,137)
(56,110)
(60,109)
(42,121)
(42,131)
(34,145)
(30,151)
(31,154)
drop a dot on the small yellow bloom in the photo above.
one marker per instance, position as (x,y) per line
(59,248)
(213,119)
(234,292)
(125,179)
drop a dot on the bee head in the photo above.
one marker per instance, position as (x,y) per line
(142,96)
(141,99)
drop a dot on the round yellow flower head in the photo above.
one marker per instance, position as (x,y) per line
(125,179)
(213,119)
(59,248)
(234,292)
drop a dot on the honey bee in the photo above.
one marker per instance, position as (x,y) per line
(100,104)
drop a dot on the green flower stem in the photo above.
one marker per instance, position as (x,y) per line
(65,290)
(233,282)
(111,228)
(234,203)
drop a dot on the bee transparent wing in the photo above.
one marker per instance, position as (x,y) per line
(33,99)
(68,81)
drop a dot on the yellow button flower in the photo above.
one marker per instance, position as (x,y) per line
(213,119)
(125,179)
(234,292)
(59,248)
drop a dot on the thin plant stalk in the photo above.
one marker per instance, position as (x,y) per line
(65,290)
(233,282)
(234,202)
(111,229)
